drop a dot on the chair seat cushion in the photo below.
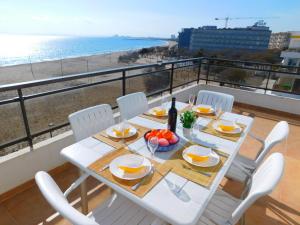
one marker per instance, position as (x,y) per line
(219,209)
(119,211)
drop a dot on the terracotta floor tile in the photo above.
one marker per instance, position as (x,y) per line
(5,218)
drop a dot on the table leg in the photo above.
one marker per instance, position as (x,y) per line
(83,193)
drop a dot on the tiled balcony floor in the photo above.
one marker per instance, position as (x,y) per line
(281,207)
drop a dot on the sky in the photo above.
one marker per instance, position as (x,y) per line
(156,18)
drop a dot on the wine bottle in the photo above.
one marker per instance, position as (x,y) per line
(172,120)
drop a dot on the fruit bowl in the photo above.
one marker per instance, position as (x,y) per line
(167,139)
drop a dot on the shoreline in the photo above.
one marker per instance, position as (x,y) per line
(168,43)
(68,66)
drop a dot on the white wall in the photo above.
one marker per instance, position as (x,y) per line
(275,102)
(21,166)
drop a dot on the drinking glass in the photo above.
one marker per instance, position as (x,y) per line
(152,145)
(218,109)
(195,129)
(164,101)
(123,125)
(192,99)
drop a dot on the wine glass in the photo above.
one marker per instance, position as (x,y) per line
(192,99)
(152,144)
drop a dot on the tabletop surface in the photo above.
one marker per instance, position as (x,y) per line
(185,207)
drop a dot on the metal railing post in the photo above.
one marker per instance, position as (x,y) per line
(123,82)
(199,70)
(268,79)
(207,71)
(30,135)
(25,119)
(171,79)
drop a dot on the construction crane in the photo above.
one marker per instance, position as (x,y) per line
(242,18)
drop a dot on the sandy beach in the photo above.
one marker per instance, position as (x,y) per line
(54,109)
(67,66)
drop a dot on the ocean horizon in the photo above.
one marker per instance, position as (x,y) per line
(22,49)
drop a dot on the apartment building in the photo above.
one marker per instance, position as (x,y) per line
(254,37)
(279,40)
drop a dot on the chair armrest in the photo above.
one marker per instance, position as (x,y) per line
(248,180)
(75,184)
(249,167)
(257,138)
(242,168)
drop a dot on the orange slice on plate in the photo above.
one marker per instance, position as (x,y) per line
(203,109)
(123,133)
(197,158)
(117,132)
(159,112)
(226,127)
(127,169)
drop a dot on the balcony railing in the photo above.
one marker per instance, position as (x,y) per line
(37,108)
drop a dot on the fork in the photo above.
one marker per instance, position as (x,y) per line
(137,185)
(197,171)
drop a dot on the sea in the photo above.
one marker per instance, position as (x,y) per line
(22,49)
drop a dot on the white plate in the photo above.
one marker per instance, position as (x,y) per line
(237,129)
(213,159)
(152,111)
(111,133)
(116,171)
(211,110)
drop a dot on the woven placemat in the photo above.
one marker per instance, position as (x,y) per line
(162,119)
(200,175)
(159,119)
(147,184)
(119,143)
(231,137)
(212,116)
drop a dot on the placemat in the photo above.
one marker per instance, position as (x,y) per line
(209,116)
(212,116)
(232,137)
(119,143)
(195,174)
(162,119)
(159,119)
(147,184)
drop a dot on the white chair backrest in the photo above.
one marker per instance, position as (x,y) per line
(279,133)
(264,180)
(212,98)
(132,105)
(91,120)
(57,200)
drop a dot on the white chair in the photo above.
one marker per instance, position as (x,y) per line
(132,105)
(116,210)
(241,163)
(225,209)
(89,121)
(212,98)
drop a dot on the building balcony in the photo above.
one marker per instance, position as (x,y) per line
(34,116)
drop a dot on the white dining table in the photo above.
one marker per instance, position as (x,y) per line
(183,207)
